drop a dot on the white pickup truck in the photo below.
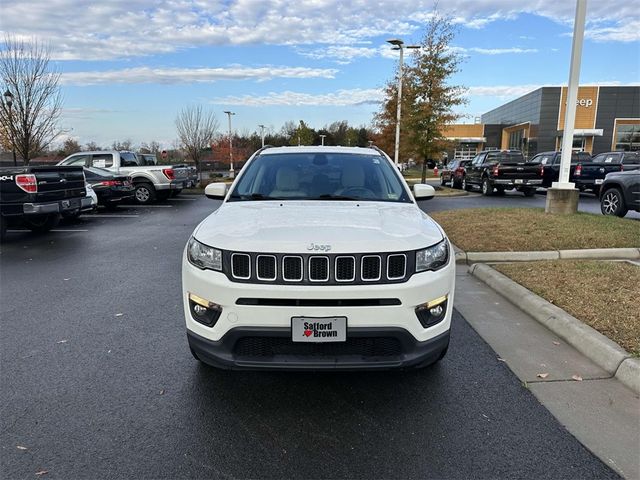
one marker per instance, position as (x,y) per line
(318,258)
(151,181)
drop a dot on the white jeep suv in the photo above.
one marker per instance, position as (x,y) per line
(318,258)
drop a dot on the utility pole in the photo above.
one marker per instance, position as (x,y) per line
(262,127)
(563,197)
(231,171)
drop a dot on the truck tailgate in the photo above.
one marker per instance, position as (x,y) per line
(518,171)
(59,182)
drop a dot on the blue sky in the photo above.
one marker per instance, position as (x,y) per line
(129,66)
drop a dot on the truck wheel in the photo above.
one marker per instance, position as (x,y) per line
(145,193)
(487,188)
(465,185)
(42,223)
(529,192)
(442,181)
(612,203)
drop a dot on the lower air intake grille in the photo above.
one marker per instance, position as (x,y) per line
(256,347)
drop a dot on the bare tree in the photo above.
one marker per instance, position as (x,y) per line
(32,120)
(196,130)
(92,147)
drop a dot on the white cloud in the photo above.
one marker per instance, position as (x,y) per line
(190,75)
(494,51)
(115,29)
(340,98)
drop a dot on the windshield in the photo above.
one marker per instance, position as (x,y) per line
(320,176)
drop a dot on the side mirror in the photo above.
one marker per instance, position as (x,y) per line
(423,191)
(216,191)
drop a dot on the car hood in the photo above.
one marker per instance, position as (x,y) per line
(331,226)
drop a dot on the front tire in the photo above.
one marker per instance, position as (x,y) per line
(487,187)
(612,203)
(465,185)
(42,223)
(145,193)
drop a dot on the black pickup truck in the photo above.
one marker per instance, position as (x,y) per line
(550,162)
(37,196)
(590,176)
(502,170)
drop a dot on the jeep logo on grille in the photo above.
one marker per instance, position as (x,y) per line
(317,247)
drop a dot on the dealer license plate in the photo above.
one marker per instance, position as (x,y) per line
(519,181)
(599,181)
(318,329)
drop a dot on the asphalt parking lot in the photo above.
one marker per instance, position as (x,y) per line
(98,382)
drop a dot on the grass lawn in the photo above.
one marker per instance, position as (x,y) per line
(602,294)
(531,229)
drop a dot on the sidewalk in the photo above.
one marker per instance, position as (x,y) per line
(598,410)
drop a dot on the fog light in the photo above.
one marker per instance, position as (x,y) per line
(433,312)
(203,311)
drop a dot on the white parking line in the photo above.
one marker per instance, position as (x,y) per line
(108,215)
(147,206)
(54,230)
(182,199)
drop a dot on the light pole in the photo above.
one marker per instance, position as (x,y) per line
(231,171)
(262,127)
(8,100)
(322,139)
(399,45)
(563,197)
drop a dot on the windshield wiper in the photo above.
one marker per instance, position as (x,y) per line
(328,196)
(254,196)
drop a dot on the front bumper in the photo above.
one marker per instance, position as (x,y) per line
(271,348)
(399,317)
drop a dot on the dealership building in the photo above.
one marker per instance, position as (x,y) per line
(607,119)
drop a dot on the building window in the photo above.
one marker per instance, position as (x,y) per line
(515,140)
(627,138)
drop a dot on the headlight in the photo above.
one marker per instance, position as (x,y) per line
(203,256)
(433,258)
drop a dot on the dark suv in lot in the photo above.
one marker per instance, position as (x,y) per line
(502,170)
(590,176)
(620,193)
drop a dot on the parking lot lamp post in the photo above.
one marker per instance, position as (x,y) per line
(400,46)
(8,100)
(231,171)
(322,139)
(262,127)
(562,197)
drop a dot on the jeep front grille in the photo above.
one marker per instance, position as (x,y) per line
(241,266)
(313,269)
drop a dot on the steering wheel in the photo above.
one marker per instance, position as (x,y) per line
(358,192)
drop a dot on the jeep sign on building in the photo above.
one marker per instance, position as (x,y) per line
(607,118)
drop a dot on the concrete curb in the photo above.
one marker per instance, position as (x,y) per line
(585,254)
(591,343)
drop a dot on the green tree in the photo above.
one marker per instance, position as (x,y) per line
(433,99)
(428,98)
(303,135)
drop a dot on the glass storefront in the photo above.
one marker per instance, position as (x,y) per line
(627,138)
